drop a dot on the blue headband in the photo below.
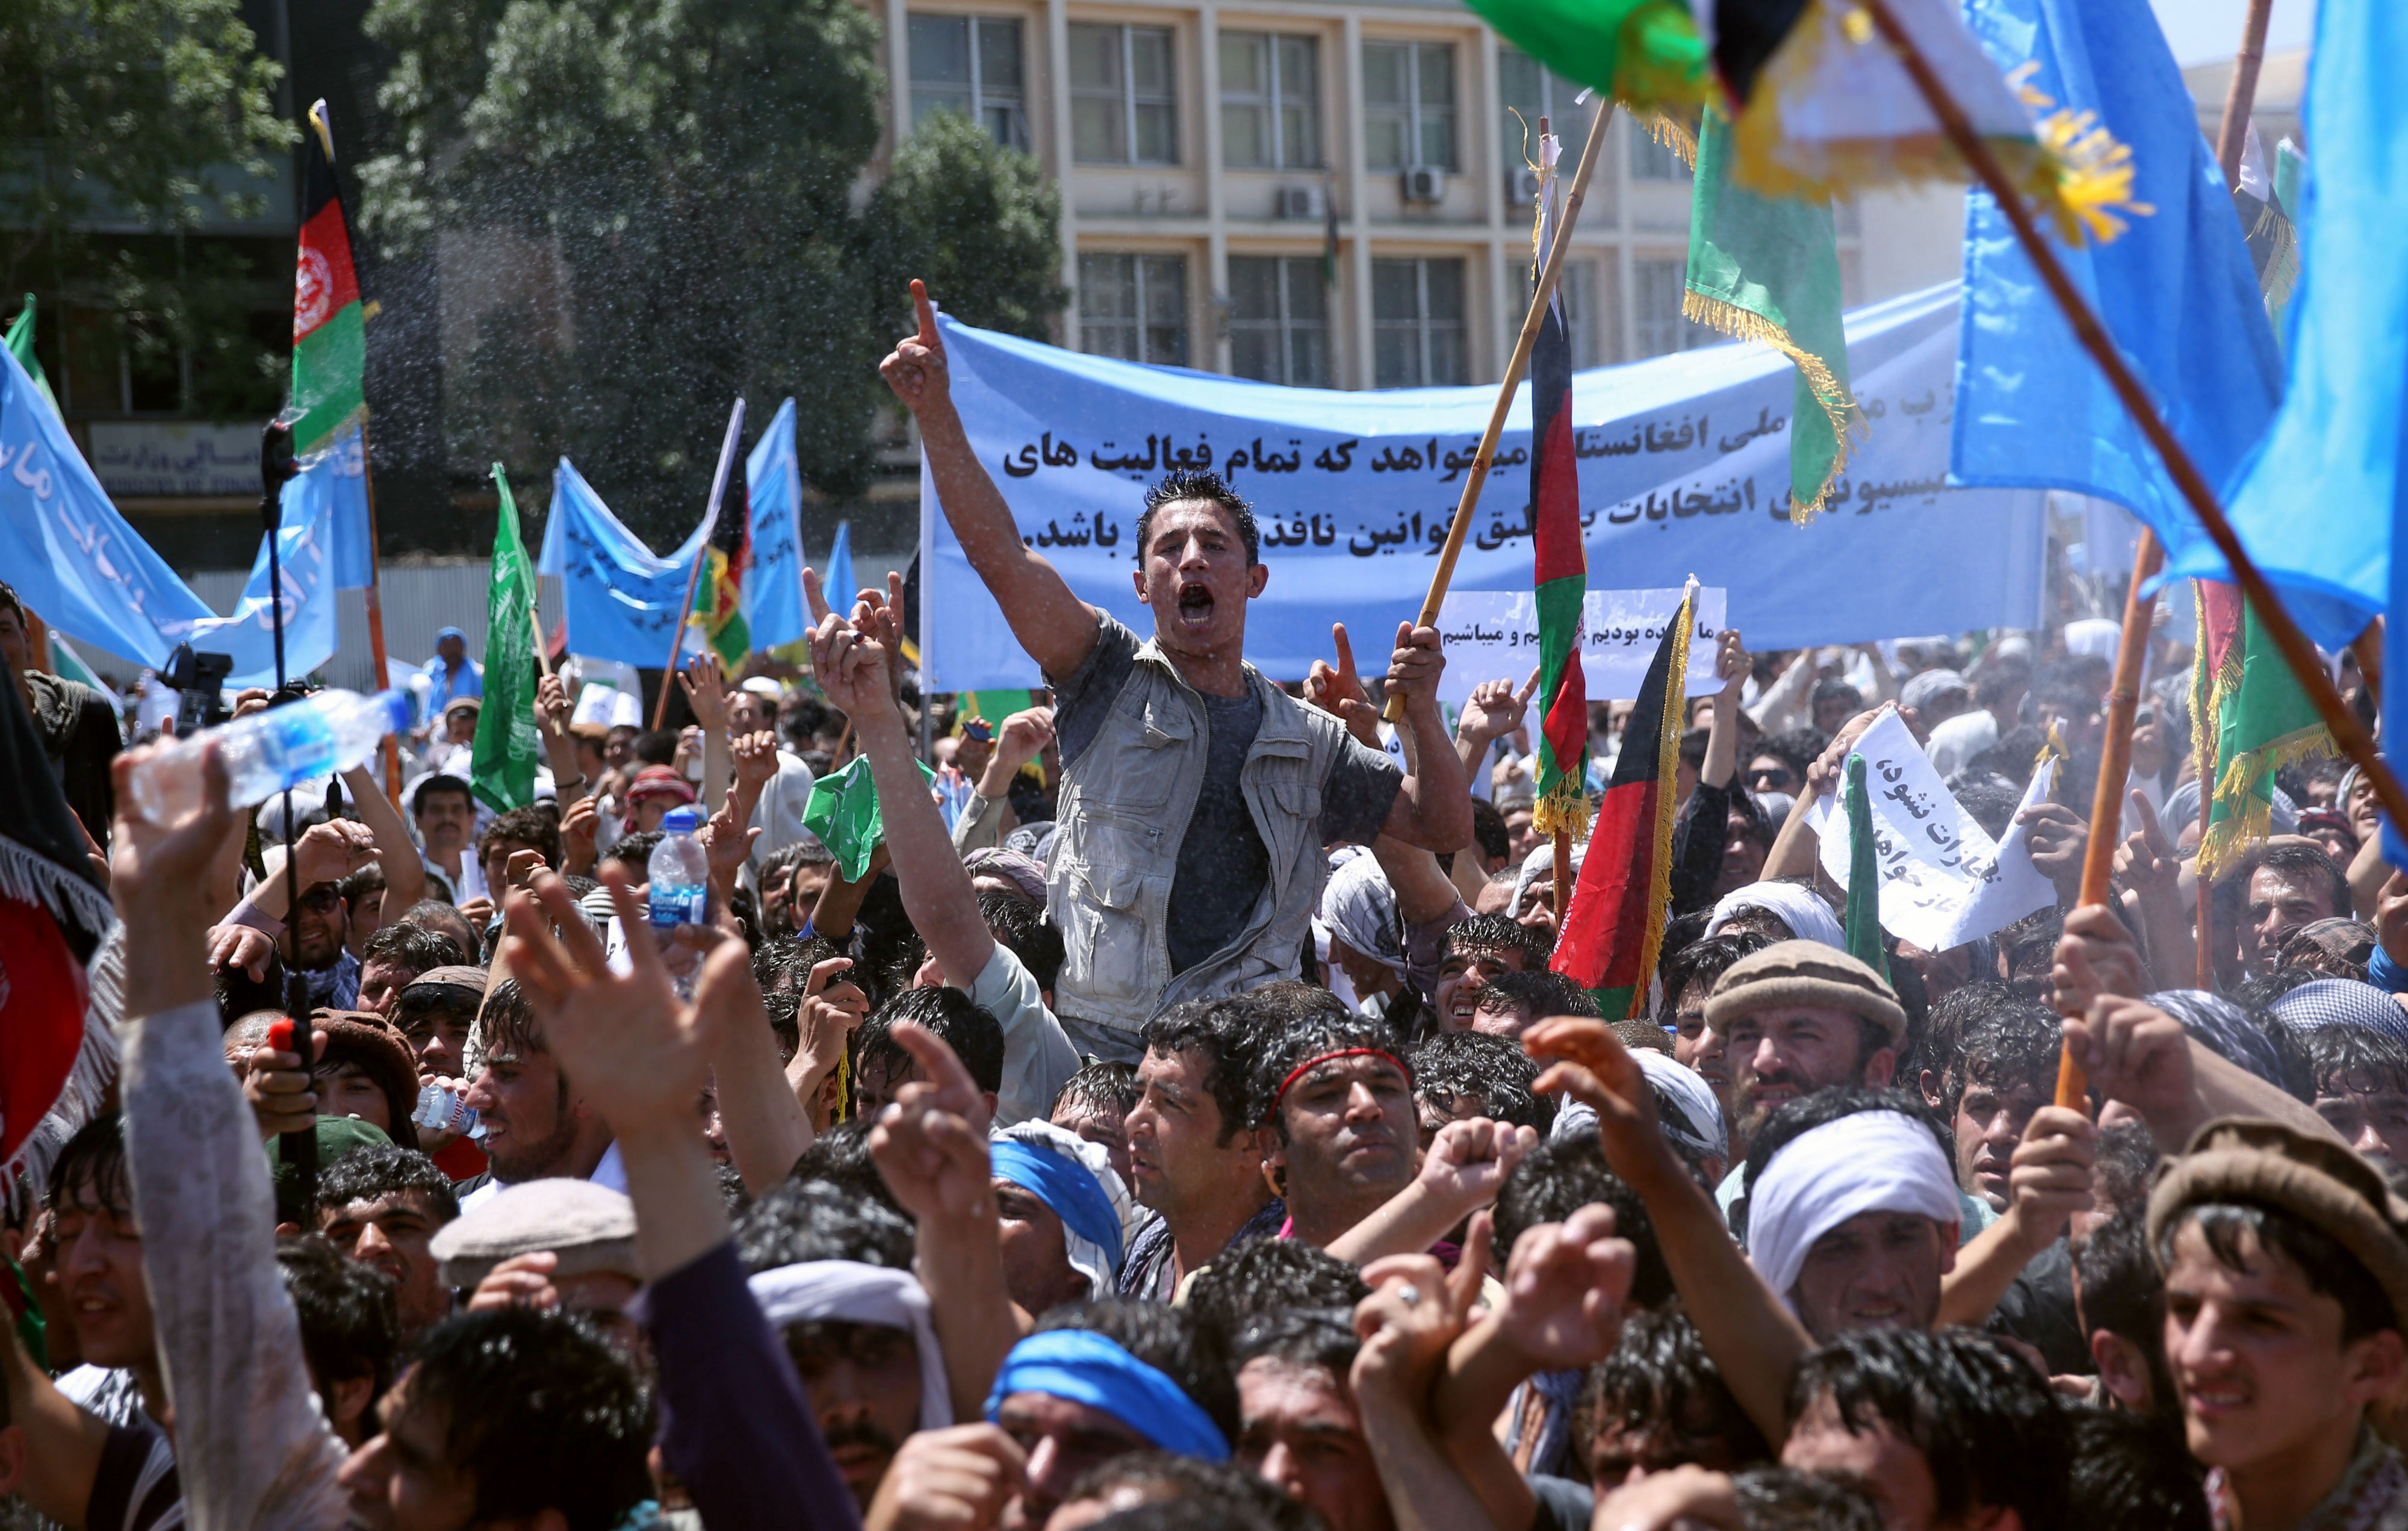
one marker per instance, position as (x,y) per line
(1085,1367)
(1065,1185)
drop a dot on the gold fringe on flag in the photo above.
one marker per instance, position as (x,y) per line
(1848,423)
(1565,806)
(2226,840)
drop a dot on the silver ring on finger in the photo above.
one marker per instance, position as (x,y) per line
(1409,1294)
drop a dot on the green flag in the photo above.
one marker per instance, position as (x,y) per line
(502,766)
(842,810)
(1864,874)
(1768,268)
(2266,724)
(20,345)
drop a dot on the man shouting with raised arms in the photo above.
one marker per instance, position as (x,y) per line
(1197,797)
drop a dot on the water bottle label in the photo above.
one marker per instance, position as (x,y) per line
(674,907)
(305,744)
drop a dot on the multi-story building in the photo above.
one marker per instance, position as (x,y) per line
(1333,194)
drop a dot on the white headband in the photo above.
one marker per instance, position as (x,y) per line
(849,1291)
(1869,1161)
(1807,916)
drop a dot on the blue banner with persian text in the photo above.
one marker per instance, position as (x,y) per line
(622,600)
(773,585)
(1684,470)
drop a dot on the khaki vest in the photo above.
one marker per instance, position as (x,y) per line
(1123,809)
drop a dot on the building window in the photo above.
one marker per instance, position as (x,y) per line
(1652,160)
(1135,308)
(1408,105)
(1577,286)
(1655,297)
(1270,101)
(1417,336)
(1535,92)
(970,64)
(1278,320)
(1123,107)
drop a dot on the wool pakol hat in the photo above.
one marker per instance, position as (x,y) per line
(1805,973)
(2316,1179)
(591,1227)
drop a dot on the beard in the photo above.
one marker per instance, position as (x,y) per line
(532,1161)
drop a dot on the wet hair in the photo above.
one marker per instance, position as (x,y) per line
(1105,1088)
(1990,801)
(1540,992)
(1218,1031)
(443,919)
(1793,1119)
(367,880)
(507,1023)
(1496,1072)
(634,853)
(1307,1037)
(1498,932)
(657,746)
(529,826)
(1659,1374)
(2016,1045)
(2356,1060)
(1786,1499)
(1189,484)
(1021,928)
(92,1169)
(971,1029)
(1987,1425)
(1189,1494)
(1263,1278)
(2122,1290)
(1280,1001)
(386,1170)
(1308,1337)
(839,1157)
(1555,1181)
(413,947)
(538,1413)
(785,962)
(2310,861)
(1488,831)
(1945,1028)
(350,1326)
(1166,1338)
(2130,1470)
(1702,962)
(2030,947)
(784,1009)
(2125,1164)
(800,1219)
(2322,1262)
(440,783)
(237,993)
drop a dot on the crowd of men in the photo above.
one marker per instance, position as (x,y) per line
(1176,1124)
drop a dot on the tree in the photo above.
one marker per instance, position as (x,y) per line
(978,221)
(149,113)
(674,182)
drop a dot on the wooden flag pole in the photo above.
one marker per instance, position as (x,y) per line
(2232,134)
(542,646)
(2297,651)
(1477,473)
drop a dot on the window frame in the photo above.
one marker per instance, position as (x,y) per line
(1126,93)
(980,101)
(1415,112)
(1422,326)
(1274,100)
(1284,327)
(1139,320)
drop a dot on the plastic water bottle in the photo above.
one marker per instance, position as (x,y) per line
(446,1111)
(307,740)
(680,873)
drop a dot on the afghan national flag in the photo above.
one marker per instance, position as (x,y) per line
(20,341)
(2264,723)
(1562,562)
(719,596)
(1615,924)
(329,328)
(1767,268)
(1644,53)
(502,762)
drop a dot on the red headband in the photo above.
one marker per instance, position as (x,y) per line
(1316,1061)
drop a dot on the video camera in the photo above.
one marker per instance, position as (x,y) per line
(200,681)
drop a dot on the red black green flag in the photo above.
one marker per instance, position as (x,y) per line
(329,328)
(1561,575)
(719,596)
(1616,925)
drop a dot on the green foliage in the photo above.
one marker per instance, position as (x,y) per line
(670,188)
(978,223)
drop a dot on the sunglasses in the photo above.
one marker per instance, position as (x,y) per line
(322,900)
(1769,778)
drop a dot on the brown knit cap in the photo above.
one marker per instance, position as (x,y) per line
(1805,973)
(2313,1179)
(369,1043)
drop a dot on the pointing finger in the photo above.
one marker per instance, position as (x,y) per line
(1345,649)
(927,312)
(1529,688)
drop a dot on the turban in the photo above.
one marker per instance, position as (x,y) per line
(1869,1161)
(1693,1121)
(1075,1180)
(2342,1002)
(1803,910)
(849,1291)
(2224,1029)
(1360,908)
(1023,871)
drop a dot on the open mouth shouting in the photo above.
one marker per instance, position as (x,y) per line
(1195,605)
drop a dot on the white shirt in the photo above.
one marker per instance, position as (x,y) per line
(609,1174)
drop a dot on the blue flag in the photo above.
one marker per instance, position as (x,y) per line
(338,474)
(622,600)
(836,580)
(2176,289)
(773,585)
(2317,503)
(307,549)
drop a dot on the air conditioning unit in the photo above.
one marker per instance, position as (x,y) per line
(1525,187)
(1299,202)
(1425,184)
